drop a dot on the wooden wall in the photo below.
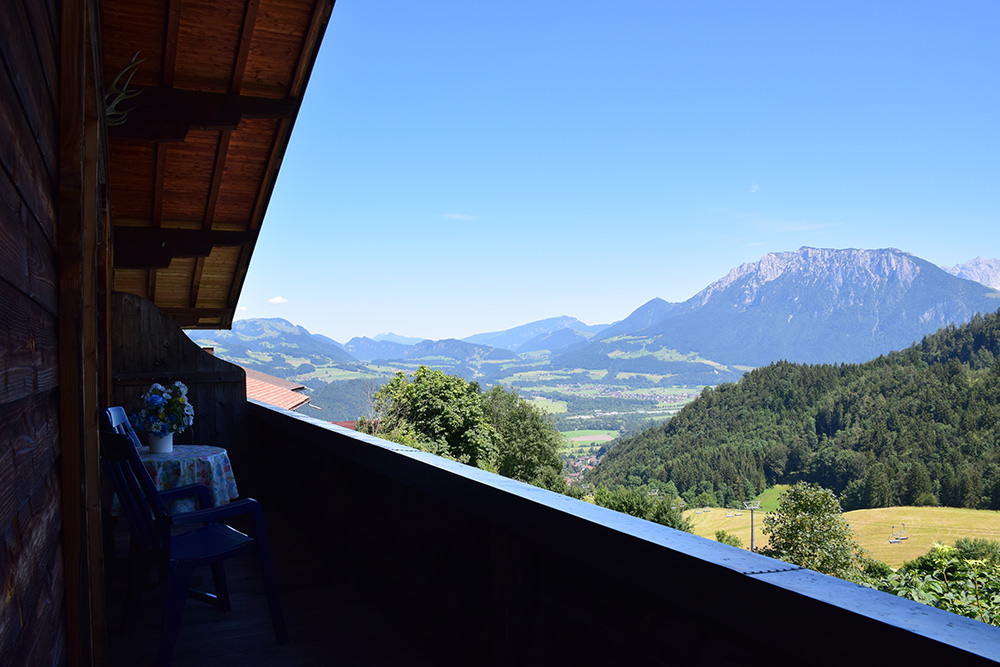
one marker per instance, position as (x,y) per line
(32,625)
(147,346)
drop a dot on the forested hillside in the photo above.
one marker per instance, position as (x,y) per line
(918,427)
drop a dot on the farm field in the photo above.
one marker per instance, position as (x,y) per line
(548,405)
(924,525)
(578,443)
(738,524)
(334,374)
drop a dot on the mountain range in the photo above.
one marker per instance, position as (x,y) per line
(818,305)
(273,345)
(813,305)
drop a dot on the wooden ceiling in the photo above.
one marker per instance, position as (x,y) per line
(192,167)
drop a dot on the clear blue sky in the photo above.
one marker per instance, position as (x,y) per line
(462,166)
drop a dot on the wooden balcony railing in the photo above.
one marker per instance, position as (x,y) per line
(473,568)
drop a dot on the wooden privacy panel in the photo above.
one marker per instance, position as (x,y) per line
(147,346)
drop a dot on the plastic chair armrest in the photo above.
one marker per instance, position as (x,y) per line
(200,491)
(235,508)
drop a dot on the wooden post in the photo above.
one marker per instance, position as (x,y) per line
(78,354)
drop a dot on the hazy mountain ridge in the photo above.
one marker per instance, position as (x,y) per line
(511,339)
(369,349)
(983,271)
(555,341)
(267,345)
(458,349)
(646,315)
(396,338)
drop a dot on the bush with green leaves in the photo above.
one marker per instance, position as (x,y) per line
(978,548)
(728,538)
(943,578)
(640,503)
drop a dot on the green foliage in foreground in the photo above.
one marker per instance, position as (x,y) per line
(945,579)
(918,427)
(809,529)
(445,415)
(640,503)
(728,538)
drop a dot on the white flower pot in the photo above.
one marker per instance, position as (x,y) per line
(161,445)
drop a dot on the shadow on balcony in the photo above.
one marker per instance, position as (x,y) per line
(388,555)
(328,622)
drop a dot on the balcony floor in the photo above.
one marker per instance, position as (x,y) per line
(328,622)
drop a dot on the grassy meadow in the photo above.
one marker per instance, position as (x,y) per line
(924,525)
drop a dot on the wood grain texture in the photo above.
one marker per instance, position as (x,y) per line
(28,347)
(22,159)
(32,619)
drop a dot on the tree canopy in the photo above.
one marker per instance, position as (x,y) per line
(446,415)
(809,529)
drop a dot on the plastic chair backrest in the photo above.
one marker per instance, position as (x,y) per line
(139,498)
(119,423)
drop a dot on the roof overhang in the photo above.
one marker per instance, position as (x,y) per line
(192,166)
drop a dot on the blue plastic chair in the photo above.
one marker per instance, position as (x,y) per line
(177,554)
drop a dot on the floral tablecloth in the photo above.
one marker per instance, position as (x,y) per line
(189,464)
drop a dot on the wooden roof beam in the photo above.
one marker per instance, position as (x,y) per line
(166,114)
(154,247)
(193,318)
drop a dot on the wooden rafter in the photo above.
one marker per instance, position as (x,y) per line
(246,34)
(200,150)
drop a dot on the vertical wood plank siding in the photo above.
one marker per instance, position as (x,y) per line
(32,625)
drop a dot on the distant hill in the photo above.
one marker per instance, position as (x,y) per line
(917,427)
(368,349)
(815,305)
(456,357)
(327,339)
(650,313)
(273,345)
(511,339)
(396,338)
(983,271)
(554,342)
(459,350)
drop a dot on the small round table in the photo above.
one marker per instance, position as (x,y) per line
(190,464)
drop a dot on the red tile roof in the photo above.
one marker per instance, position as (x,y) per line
(273,379)
(273,394)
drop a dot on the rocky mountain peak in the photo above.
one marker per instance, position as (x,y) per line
(819,267)
(983,271)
